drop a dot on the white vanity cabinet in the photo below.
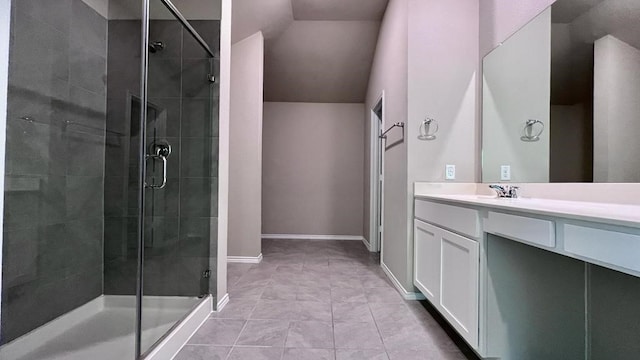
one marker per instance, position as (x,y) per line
(520,278)
(447,272)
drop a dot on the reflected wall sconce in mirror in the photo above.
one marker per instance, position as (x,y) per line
(532,130)
(428,129)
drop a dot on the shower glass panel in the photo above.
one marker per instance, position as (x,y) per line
(66,121)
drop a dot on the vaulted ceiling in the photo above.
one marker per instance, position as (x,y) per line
(315,50)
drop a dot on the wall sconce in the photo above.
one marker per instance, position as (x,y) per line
(529,133)
(428,129)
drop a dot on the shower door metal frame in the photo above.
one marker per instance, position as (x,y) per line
(174,10)
(142,172)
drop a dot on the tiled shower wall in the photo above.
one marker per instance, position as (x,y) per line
(53,219)
(181,219)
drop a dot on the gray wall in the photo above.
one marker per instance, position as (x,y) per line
(443,77)
(181,219)
(389,74)
(312,169)
(53,218)
(245,153)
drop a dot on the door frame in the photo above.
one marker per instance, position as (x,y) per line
(376,178)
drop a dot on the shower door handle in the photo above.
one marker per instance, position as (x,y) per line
(164,171)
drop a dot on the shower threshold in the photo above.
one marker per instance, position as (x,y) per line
(103,329)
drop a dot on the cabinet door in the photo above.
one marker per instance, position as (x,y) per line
(459,284)
(427,260)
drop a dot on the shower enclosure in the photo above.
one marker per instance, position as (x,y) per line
(110,219)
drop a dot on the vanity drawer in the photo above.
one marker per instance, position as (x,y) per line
(521,228)
(463,220)
(622,250)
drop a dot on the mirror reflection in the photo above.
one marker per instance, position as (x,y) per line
(561,97)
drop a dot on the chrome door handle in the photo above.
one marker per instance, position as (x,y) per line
(164,171)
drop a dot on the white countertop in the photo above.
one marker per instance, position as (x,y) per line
(615,214)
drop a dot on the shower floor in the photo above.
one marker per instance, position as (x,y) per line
(104,334)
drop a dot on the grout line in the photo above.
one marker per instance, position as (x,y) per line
(257,346)
(237,338)
(287,336)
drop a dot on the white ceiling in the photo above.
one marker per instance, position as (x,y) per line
(315,50)
(271,17)
(321,61)
(610,17)
(338,9)
(565,11)
(577,24)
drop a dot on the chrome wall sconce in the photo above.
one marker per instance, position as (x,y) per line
(532,130)
(428,129)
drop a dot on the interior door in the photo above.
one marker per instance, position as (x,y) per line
(380,187)
(378,173)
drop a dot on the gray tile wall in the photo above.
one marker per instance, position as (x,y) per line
(121,164)
(181,222)
(53,233)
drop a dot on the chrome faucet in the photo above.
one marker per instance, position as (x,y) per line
(505,191)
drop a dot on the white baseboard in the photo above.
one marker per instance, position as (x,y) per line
(173,342)
(245,259)
(405,294)
(366,243)
(312,237)
(222,303)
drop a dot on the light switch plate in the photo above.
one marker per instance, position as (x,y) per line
(505,172)
(450,172)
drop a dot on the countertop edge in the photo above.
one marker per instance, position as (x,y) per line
(536,211)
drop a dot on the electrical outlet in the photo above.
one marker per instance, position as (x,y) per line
(505,172)
(450,172)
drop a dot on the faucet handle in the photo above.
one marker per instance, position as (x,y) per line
(502,192)
(505,191)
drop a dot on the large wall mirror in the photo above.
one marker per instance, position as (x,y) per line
(561,97)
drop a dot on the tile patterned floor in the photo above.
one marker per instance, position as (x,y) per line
(318,300)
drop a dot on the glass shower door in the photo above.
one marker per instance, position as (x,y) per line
(181,163)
